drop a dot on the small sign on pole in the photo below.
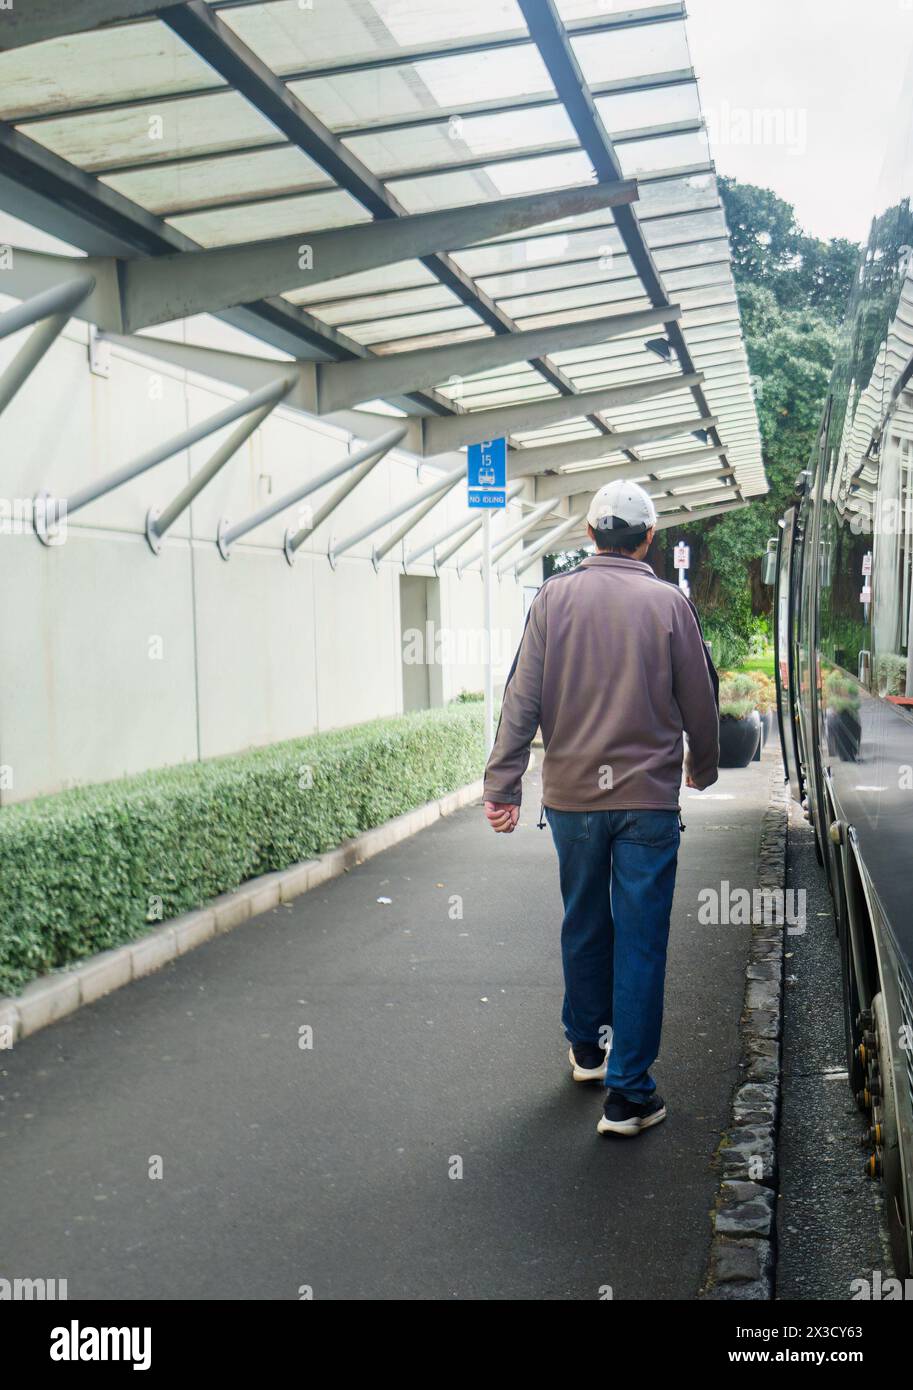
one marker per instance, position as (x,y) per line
(682,564)
(486,474)
(486,488)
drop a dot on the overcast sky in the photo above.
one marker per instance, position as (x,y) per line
(831,72)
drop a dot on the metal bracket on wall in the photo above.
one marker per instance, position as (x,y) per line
(99,354)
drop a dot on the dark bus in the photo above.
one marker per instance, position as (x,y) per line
(844,632)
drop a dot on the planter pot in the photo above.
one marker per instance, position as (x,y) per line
(767,726)
(739,739)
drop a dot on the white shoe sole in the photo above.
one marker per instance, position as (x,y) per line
(628,1128)
(584,1073)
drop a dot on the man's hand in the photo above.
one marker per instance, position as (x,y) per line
(502,817)
(689,780)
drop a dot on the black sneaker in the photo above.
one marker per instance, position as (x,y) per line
(629,1117)
(587,1061)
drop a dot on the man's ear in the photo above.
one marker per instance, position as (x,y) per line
(590,532)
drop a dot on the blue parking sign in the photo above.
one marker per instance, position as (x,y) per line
(486,474)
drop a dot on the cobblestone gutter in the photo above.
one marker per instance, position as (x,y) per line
(742,1252)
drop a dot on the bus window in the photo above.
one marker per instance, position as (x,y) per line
(892,558)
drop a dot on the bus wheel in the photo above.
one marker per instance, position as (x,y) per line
(857,1027)
(807,813)
(884,1159)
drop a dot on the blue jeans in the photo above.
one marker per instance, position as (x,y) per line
(617,880)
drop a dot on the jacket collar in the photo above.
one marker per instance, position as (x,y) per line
(615,562)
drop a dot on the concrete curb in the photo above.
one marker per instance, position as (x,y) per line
(743,1249)
(54,996)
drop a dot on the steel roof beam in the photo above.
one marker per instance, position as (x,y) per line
(327,388)
(134,294)
(670,519)
(548,458)
(347,383)
(694,500)
(589,480)
(453,431)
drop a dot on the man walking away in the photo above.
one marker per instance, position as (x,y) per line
(612,666)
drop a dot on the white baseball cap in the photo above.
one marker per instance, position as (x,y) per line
(620,506)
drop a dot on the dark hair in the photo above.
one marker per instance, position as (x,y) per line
(627,539)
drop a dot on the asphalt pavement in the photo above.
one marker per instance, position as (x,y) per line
(359,1099)
(831,1227)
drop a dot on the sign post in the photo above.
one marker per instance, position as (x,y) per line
(682,564)
(486,480)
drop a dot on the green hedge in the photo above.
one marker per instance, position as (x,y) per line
(81,871)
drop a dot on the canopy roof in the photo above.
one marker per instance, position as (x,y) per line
(132,129)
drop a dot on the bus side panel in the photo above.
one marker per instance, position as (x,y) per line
(784,643)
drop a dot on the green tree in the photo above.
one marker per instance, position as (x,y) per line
(793,291)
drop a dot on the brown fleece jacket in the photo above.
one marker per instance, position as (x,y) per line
(613,667)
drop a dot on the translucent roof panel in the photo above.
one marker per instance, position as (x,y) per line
(370,307)
(653,106)
(260,221)
(289,36)
(155,131)
(555,277)
(94,68)
(669,152)
(571,10)
(567,433)
(459,140)
(672,231)
(632,52)
(685,193)
(435,85)
(610,296)
(390,278)
(201,183)
(409,326)
(495,181)
(582,315)
(698,276)
(431,340)
(685,255)
(552,248)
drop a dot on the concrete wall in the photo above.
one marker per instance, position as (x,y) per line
(113,660)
